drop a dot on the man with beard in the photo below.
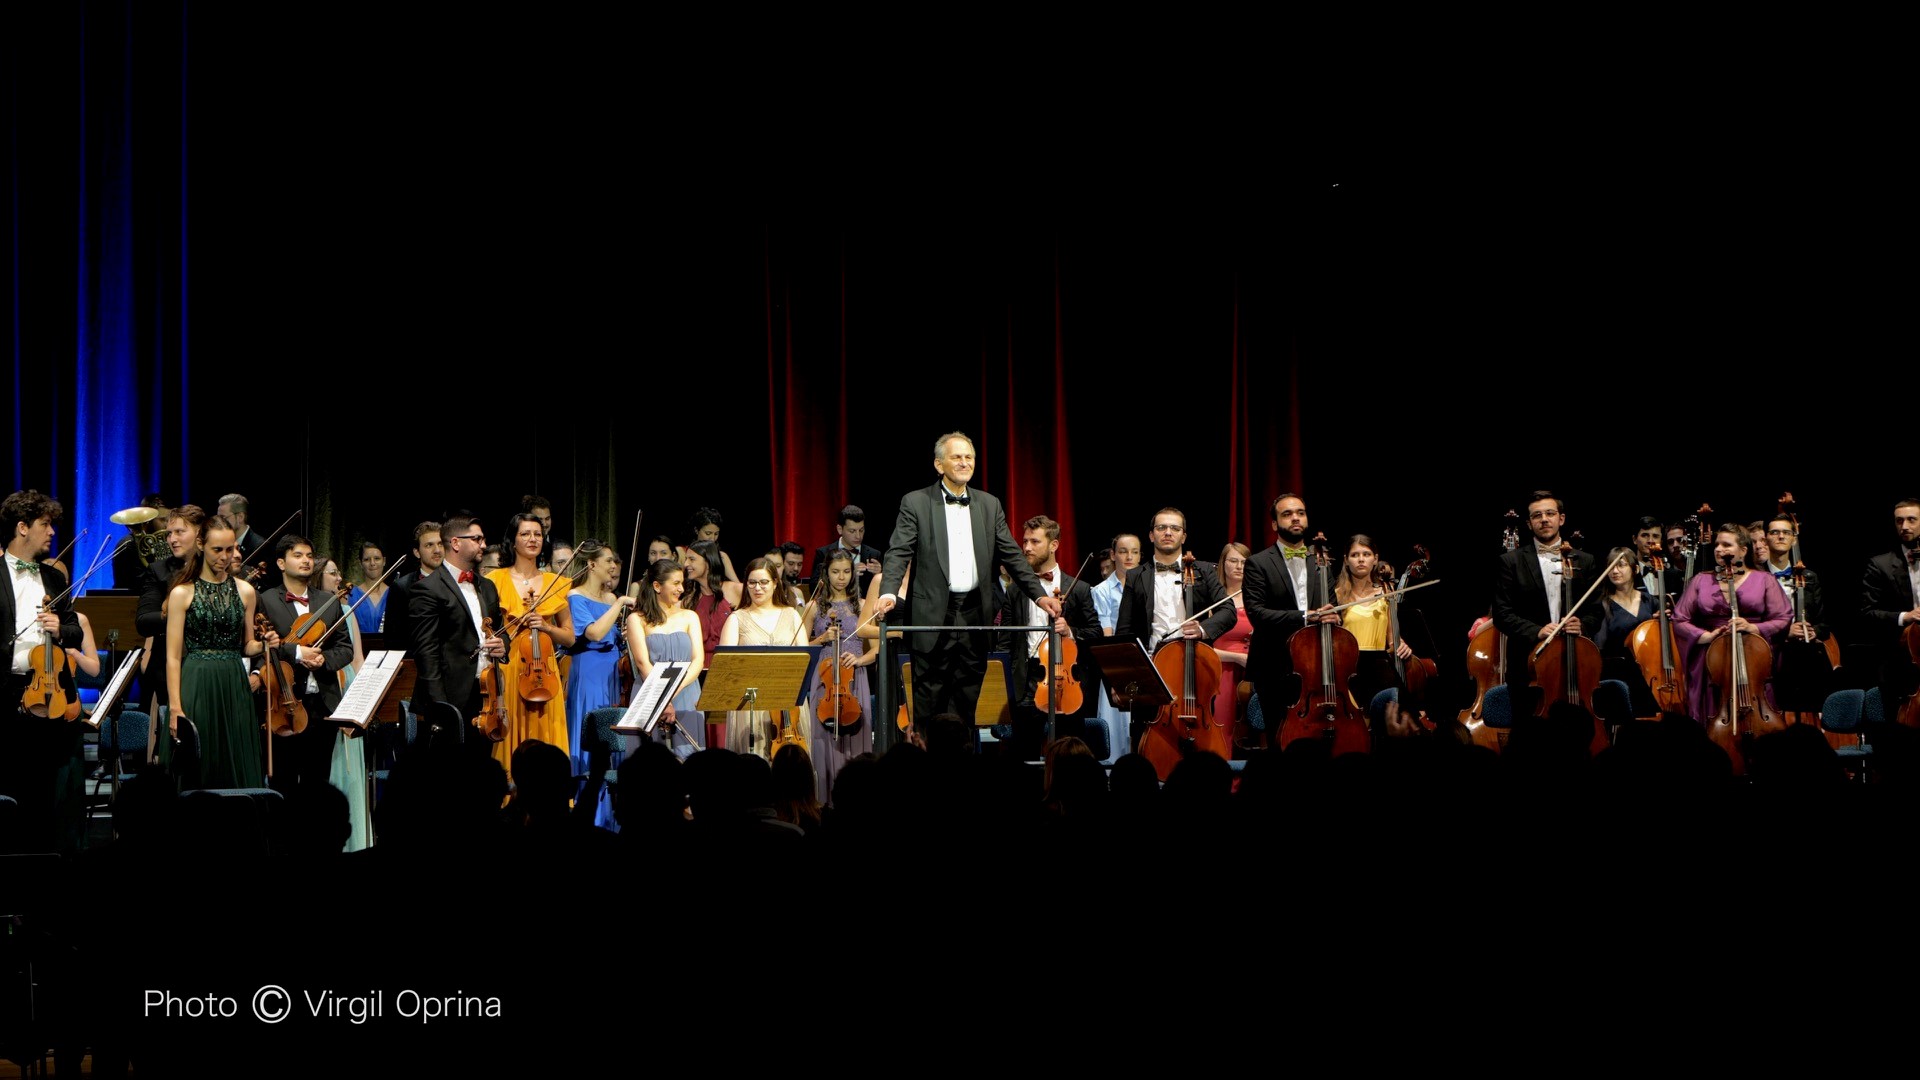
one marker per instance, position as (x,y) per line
(396,627)
(1890,601)
(1281,595)
(451,649)
(1040,542)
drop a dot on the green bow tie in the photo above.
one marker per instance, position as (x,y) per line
(1294,553)
(25,567)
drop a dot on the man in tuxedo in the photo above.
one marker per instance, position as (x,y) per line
(248,541)
(306,758)
(1527,594)
(1890,600)
(1040,542)
(396,627)
(853,533)
(1282,595)
(447,610)
(956,539)
(1153,606)
(41,764)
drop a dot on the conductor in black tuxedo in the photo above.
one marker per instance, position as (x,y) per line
(41,763)
(447,610)
(1526,594)
(852,527)
(956,538)
(1890,601)
(306,758)
(1040,542)
(1282,595)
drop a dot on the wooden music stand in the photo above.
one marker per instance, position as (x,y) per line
(995,705)
(366,702)
(1129,676)
(108,613)
(765,678)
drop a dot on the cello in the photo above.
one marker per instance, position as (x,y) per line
(1566,667)
(1415,675)
(1326,657)
(1487,660)
(1657,650)
(1803,670)
(1739,663)
(1186,724)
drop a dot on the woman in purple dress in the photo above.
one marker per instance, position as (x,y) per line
(1706,608)
(833,614)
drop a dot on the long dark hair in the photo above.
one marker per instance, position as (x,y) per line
(190,568)
(716,572)
(1344,582)
(652,613)
(583,555)
(840,555)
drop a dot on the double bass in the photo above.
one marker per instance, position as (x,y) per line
(1566,666)
(1186,724)
(1325,656)
(1739,663)
(1657,650)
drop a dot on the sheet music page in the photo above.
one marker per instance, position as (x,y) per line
(650,698)
(115,687)
(369,686)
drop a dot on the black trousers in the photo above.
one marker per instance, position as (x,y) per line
(306,758)
(949,668)
(43,768)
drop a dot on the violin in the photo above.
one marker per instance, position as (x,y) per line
(1738,663)
(539,674)
(1567,667)
(493,693)
(1487,660)
(53,690)
(787,734)
(1326,657)
(1657,650)
(1186,724)
(1063,691)
(1416,675)
(903,716)
(840,710)
(285,714)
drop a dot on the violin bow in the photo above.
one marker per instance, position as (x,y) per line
(265,545)
(364,593)
(633,552)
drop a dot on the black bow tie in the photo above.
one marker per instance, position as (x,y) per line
(958,500)
(1166,568)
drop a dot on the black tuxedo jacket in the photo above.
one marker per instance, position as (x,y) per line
(920,538)
(1520,604)
(1136,605)
(1083,625)
(1273,610)
(396,626)
(1886,592)
(445,642)
(337,645)
(55,583)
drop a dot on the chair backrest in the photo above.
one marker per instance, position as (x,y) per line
(1843,710)
(126,735)
(1496,707)
(602,742)
(231,820)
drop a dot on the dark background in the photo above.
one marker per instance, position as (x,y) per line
(422,263)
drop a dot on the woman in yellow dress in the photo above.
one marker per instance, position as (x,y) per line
(769,618)
(1367,621)
(522,584)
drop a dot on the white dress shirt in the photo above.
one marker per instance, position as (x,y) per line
(962,574)
(28,593)
(1550,575)
(1037,616)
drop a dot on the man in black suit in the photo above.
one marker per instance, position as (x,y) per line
(852,527)
(956,539)
(396,627)
(1153,609)
(306,758)
(1890,599)
(1040,542)
(1803,673)
(1527,594)
(1282,594)
(41,765)
(447,610)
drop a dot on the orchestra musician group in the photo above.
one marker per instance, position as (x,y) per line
(1303,640)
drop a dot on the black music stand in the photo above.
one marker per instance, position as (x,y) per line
(1129,676)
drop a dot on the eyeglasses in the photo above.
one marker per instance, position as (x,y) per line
(478,538)
(759,584)
(1169,528)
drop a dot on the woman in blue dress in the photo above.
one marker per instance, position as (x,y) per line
(593,678)
(1106,604)
(661,630)
(369,612)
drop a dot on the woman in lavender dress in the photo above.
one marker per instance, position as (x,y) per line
(834,615)
(1706,608)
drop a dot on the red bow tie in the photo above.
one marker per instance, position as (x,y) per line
(466,576)
(292,599)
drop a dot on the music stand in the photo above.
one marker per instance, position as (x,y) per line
(757,678)
(995,704)
(1129,676)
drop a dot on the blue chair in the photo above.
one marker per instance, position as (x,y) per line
(238,821)
(123,740)
(1850,712)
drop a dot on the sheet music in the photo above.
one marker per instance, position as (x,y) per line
(114,688)
(650,698)
(370,684)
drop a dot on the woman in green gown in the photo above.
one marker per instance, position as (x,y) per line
(209,637)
